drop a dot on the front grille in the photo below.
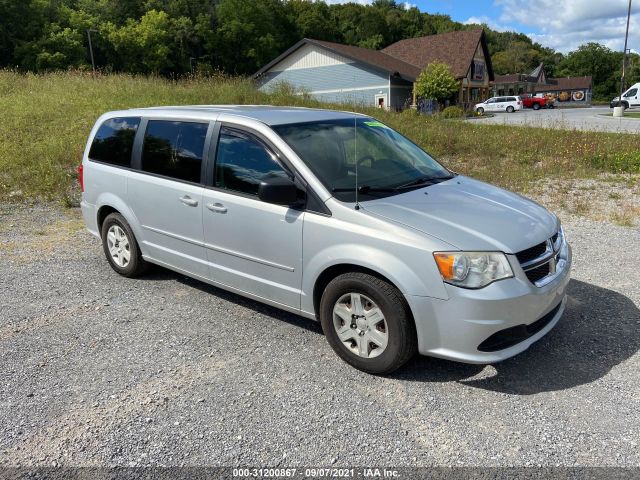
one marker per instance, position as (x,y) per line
(539,261)
(511,336)
(531,253)
(538,273)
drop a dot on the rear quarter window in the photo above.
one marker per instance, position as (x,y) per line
(113,143)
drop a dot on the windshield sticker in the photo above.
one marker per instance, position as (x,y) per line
(376,124)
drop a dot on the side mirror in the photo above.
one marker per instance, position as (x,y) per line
(278,190)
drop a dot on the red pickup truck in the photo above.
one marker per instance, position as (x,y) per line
(529,101)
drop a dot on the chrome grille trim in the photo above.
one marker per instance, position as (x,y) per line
(550,257)
(551,250)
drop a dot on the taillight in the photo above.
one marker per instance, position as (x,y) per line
(519,103)
(81,177)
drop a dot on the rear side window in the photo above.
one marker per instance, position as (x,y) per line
(113,143)
(512,99)
(174,149)
(242,162)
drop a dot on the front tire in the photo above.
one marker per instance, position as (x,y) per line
(536,106)
(121,248)
(368,323)
(480,110)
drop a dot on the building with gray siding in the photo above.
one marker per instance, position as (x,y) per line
(345,74)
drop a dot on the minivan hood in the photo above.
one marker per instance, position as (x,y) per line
(470,215)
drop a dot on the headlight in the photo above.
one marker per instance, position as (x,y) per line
(472,269)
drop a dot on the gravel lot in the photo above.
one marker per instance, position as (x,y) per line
(590,119)
(97,370)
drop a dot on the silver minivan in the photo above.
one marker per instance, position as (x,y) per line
(331,215)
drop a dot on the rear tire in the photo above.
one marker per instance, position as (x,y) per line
(368,323)
(536,106)
(510,109)
(121,248)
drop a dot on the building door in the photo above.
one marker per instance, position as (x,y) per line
(381,101)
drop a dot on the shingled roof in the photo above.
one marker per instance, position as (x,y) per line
(567,83)
(456,49)
(374,58)
(407,58)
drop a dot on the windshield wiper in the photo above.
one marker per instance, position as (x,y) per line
(414,183)
(419,182)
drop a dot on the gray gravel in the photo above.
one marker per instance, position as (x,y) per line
(96,369)
(589,119)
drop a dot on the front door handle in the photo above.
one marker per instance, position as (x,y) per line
(217,207)
(187,200)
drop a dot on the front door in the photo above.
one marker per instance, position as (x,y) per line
(490,106)
(632,97)
(252,246)
(381,101)
(166,194)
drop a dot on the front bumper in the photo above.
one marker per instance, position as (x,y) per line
(455,328)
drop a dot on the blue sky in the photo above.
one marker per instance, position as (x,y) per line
(560,24)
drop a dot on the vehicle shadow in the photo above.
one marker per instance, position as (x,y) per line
(599,330)
(160,274)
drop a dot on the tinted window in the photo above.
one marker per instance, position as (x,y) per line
(511,99)
(174,149)
(242,162)
(501,99)
(631,92)
(114,141)
(491,100)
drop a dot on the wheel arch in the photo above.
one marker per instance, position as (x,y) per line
(334,271)
(108,203)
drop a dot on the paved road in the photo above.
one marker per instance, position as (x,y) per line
(567,118)
(97,369)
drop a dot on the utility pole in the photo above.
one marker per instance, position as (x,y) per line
(93,62)
(624,55)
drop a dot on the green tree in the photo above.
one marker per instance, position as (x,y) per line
(519,57)
(313,20)
(251,34)
(141,46)
(632,73)
(597,61)
(436,82)
(20,22)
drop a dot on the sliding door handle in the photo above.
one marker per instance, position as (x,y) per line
(217,207)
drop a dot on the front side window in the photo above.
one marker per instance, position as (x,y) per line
(491,100)
(174,149)
(242,162)
(631,93)
(387,163)
(113,142)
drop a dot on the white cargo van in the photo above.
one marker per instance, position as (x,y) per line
(630,98)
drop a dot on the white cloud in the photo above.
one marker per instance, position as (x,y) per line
(567,24)
(491,23)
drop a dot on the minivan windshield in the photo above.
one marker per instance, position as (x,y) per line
(386,162)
